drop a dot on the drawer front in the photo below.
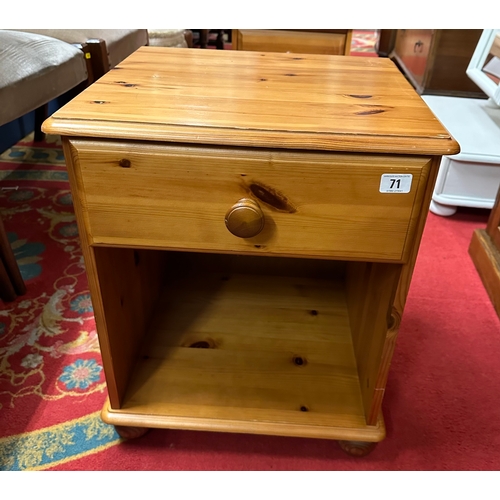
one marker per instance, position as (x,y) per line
(291,41)
(313,204)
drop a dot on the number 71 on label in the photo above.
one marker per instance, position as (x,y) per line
(395,183)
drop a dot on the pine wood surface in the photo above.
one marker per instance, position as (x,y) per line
(232,335)
(493,226)
(235,350)
(130,281)
(294,41)
(371,288)
(177,197)
(435,61)
(486,258)
(395,312)
(336,103)
(484,250)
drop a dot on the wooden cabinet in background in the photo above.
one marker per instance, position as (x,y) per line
(435,61)
(484,250)
(332,42)
(385,42)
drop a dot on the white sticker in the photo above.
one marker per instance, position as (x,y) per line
(395,183)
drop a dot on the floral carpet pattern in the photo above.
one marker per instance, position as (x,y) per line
(49,350)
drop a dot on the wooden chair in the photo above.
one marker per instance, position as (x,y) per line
(39,66)
(35,70)
(103,50)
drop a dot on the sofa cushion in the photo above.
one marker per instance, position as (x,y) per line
(34,70)
(119,43)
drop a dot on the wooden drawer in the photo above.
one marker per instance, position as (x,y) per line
(295,41)
(314,204)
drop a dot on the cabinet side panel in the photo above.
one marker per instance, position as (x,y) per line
(124,285)
(80,207)
(235,35)
(486,257)
(493,226)
(129,285)
(371,288)
(400,298)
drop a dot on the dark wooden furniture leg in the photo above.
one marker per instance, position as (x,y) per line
(220,40)
(357,448)
(88,61)
(41,114)
(98,57)
(11,281)
(204,39)
(7,292)
(130,432)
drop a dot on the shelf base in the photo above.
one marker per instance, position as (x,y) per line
(251,352)
(369,433)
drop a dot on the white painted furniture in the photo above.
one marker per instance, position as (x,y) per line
(472,177)
(487,48)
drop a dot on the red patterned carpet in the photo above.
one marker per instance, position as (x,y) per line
(50,364)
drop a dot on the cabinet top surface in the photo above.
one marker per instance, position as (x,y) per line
(237,98)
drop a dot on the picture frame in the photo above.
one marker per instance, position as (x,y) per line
(486,52)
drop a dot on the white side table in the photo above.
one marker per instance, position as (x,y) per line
(470,178)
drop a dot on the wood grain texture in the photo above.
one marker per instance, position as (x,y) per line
(79,204)
(245,218)
(493,225)
(399,301)
(130,281)
(435,61)
(371,288)
(267,354)
(368,433)
(123,286)
(236,336)
(177,197)
(293,41)
(265,99)
(486,257)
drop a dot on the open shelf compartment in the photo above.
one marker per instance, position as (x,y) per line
(234,343)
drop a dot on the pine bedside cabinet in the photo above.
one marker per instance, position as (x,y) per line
(250,223)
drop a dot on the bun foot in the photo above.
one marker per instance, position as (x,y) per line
(357,448)
(127,432)
(443,210)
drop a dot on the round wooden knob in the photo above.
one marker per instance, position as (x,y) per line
(245,218)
